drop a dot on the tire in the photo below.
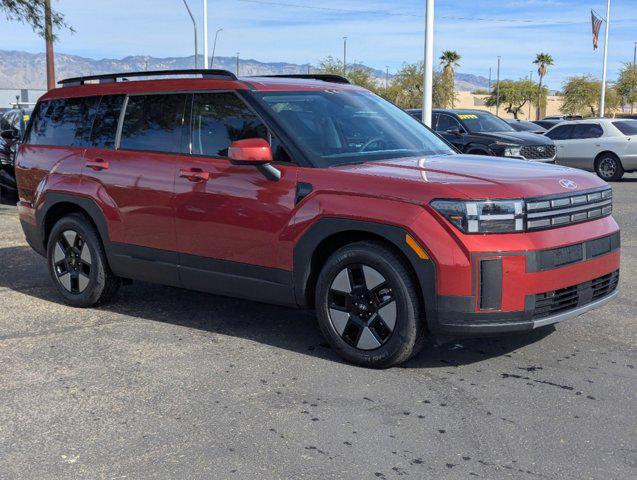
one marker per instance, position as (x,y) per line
(378,322)
(77,263)
(608,167)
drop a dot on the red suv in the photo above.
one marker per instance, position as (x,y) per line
(309,192)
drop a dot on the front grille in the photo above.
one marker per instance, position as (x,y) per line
(538,152)
(559,210)
(564,299)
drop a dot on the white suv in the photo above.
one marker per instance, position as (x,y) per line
(604,145)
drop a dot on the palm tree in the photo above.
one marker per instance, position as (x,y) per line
(448,60)
(542,60)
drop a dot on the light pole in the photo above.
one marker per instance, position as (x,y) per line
(489,79)
(497,88)
(214,47)
(205,34)
(602,102)
(632,105)
(344,56)
(194,26)
(386,77)
(531,79)
(237,64)
(428,74)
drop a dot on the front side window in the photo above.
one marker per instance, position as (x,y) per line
(335,127)
(64,122)
(587,130)
(155,123)
(218,119)
(447,123)
(627,127)
(560,133)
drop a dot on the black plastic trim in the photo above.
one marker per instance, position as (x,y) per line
(490,283)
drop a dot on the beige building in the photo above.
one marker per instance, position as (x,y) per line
(475,101)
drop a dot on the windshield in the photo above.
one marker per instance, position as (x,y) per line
(484,123)
(336,127)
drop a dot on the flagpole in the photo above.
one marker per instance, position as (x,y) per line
(602,102)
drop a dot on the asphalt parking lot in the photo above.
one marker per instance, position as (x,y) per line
(165,383)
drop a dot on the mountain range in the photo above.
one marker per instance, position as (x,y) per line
(28,70)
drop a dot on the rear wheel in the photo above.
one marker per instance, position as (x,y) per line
(77,263)
(368,306)
(609,167)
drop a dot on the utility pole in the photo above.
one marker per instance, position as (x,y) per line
(344,56)
(497,95)
(194,26)
(205,34)
(48,35)
(489,79)
(214,47)
(428,75)
(308,68)
(237,64)
(602,102)
(386,78)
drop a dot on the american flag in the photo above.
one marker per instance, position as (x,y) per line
(597,24)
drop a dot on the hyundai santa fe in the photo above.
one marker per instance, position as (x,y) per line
(309,192)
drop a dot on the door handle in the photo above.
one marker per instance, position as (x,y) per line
(194,174)
(97,165)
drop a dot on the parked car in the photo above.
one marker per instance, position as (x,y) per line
(12,126)
(478,132)
(524,126)
(547,124)
(563,117)
(309,192)
(605,146)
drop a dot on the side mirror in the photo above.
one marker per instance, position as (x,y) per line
(256,152)
(11,135)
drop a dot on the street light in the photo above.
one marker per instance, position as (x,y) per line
(344,56)
(194,26)
(214,47)
(205,34)
(237,64)
(428,74)
(602,102)
(497,87)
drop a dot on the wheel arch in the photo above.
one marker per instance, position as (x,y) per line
(606,152)
(58,205)
(329,234)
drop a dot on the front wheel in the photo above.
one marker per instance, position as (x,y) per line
(608,167)
(368,306)
(77,263)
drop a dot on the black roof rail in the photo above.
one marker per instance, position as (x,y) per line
(326,77)
(112,77)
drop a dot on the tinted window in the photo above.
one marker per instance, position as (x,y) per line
(154,123)
(64,122)
(218,120)
(560,133)
(446,123)
(478,122)
(587,130)
(105,123)
(627,128)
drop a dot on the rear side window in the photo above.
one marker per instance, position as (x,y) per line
(587,130)
(154,123)
(64,122)
(106,120)
(219,119)
(627,127)
(562,132)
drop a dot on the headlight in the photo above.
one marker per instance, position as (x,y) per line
(512,151)
(483,216)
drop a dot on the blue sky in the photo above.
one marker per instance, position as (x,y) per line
(265,30)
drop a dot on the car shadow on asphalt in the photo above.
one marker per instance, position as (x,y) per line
(296,330)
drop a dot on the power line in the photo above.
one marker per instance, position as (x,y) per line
(414,15)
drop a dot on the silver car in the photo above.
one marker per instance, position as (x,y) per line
(607,146)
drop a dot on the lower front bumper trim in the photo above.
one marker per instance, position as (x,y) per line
(576,312)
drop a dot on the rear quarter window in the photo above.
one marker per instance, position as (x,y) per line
(627,127)
(64,122)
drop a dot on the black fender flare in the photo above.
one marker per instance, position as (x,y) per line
(327,227)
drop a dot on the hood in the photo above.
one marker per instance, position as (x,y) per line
(471,176)
(519,138)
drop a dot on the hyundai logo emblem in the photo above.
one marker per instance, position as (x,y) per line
(570,184)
